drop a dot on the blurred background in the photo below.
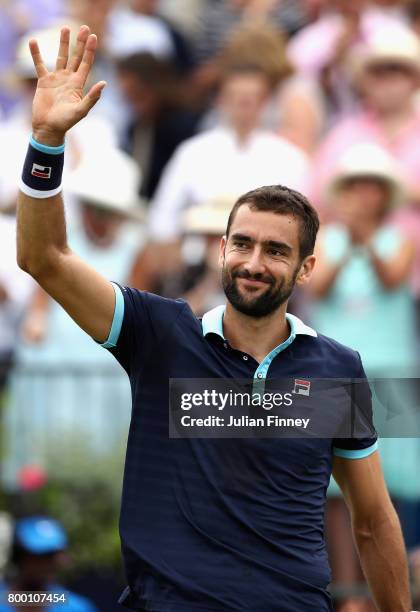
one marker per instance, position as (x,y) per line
(206,99)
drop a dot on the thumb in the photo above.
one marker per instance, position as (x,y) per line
(91,98)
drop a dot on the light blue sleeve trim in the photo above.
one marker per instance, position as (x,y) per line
(45,148)
(117,321)
(356,454)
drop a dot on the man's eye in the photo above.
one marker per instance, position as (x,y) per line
(275,252)
(241,245)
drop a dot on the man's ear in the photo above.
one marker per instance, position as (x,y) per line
(222,251)
(306,270)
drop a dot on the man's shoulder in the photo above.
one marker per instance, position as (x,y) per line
(329,356)
(152,299)
(335,351)
(160,312)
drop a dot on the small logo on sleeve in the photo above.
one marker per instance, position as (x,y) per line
(41,171)
(302,387)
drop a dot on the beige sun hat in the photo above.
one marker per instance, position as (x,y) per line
(48,41)
(389,44)
(209,218)
(110,179)
(367,160)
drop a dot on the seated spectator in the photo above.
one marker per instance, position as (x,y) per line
(232,158)
(236,156)
(159,120)
(322,48)
(362,298)
(296,110)
(364,264)
(387,73)
(38,553)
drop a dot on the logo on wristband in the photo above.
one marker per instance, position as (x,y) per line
(41,171)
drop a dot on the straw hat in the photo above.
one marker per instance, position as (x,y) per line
(367,160)
(110,179)
(48,41)
(210,218)
(391,44)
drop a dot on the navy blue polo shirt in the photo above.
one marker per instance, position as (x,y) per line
(221,524)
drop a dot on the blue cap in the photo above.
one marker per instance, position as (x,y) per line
(40,535)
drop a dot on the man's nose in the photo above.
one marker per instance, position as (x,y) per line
(255,262)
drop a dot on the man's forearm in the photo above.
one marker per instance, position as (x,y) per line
(41,232)
(41,229)
(383,558)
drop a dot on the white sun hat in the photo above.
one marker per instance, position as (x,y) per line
(396,44)
(367,160)
(109,179)
(48,41)
(209,218)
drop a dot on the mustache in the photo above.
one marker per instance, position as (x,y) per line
(257,277)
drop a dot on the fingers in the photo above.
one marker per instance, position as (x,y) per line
(37,59)
(63,52)
(76,58)
(88,57)
(91,98)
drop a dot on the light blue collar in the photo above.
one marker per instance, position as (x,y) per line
(213,324)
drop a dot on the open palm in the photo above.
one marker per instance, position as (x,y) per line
(59,102)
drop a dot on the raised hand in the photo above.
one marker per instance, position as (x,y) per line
(59,102)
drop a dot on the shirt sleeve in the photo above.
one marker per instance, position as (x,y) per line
(364,440)
(141,322)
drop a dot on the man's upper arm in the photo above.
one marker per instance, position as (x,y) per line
(83,293)
(363,486)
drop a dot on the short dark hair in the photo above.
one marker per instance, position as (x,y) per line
(284,201)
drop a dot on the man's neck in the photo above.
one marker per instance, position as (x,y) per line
(255,336)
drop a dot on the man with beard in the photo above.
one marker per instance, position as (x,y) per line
(213,524)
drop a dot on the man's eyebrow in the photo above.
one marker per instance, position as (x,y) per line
(273,244)
(281,246)
(242,237)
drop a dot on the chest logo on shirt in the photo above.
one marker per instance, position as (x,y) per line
(302,387)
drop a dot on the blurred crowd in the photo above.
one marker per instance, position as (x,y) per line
(205,100)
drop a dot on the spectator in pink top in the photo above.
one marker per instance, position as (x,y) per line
(320,50)
(387,74)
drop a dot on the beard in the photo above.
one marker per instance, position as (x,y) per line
(266,302)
